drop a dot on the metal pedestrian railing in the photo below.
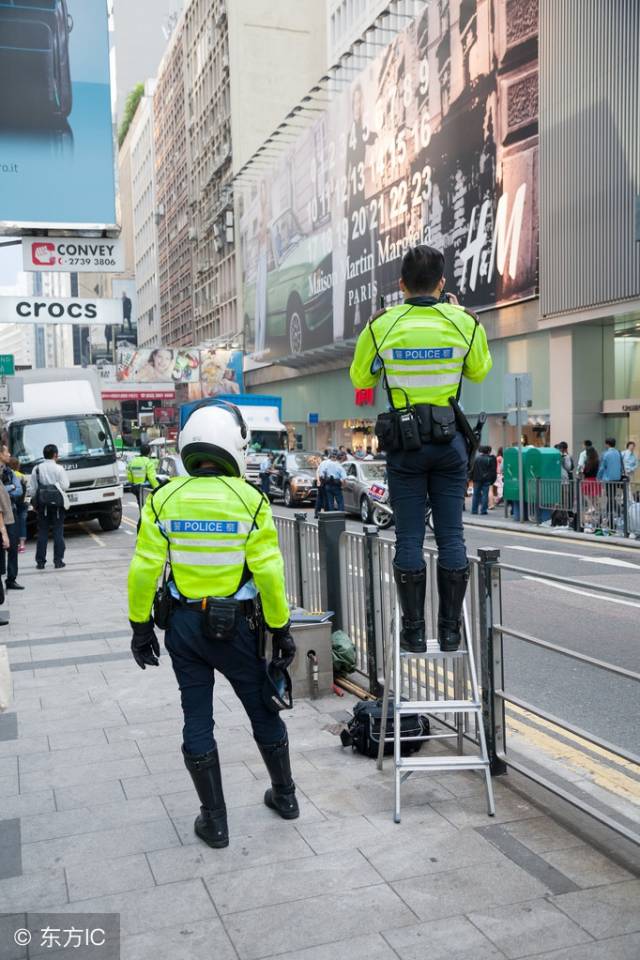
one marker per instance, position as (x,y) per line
(587,505)
(503,696)
(351,573)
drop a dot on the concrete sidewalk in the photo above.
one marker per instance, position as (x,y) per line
(97,810)
(496,520)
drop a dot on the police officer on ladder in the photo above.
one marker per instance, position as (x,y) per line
(422,349)
(218,536)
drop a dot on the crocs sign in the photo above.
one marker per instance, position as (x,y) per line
(75,310)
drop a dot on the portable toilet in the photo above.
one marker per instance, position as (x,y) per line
(541,463)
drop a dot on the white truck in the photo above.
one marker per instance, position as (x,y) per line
(65,407)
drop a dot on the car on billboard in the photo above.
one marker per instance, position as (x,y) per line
(299,305)
(34,56)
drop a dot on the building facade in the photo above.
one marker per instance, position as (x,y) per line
(144,208)
(467,126)
(175,255)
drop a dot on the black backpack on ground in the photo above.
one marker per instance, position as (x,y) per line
(363,730)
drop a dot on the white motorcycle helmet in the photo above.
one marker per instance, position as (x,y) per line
(216,433)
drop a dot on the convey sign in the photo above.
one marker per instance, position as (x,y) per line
(81,255)
(60,310)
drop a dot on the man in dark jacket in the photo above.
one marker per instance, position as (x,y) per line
(485,471)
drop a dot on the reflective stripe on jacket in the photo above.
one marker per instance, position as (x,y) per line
(425,349)
(210,526)
(142,470)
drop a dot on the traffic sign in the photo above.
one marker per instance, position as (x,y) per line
(4,391)
(7,364)
(6,409)
(524,383)
(314,419)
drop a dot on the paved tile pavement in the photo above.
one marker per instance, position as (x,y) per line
(96,814)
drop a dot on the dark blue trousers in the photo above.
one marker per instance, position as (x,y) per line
(437,472)
(480,497)
(194,660)
(50,518)
(334,496)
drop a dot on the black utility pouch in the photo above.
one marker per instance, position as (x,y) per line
(386,431)
(409,427)
(162,603)
(162,606)
(220,617)
(443,424)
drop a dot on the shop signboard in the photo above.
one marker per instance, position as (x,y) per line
(78,311)
(56,129)
(76,254)
(434,141)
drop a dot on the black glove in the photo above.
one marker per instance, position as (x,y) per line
(284,647)
(144,644)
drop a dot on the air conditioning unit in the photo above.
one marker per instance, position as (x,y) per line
(193,233)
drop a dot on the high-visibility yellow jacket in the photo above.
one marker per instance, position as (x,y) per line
(208,528)
(425,349)
(142,470)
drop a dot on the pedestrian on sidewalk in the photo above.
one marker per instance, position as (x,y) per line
(21,504)
(265,473)
(582,459)
(484,474)
(218,536)
(6,519)
(566,461)
(611,472)
(498,487)
(321,498)
(630,460)
(14,488)
(47,486)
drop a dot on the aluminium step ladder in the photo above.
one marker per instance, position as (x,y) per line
(460,707)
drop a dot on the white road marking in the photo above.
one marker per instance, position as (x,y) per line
(583,593)
(610,561)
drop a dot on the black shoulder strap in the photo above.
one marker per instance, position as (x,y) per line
(385,381)
(476,324)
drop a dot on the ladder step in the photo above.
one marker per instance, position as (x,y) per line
(442,763)
(439,706)
(433,653)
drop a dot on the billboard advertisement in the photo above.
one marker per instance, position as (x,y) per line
(206,372)
(71,254)
(432,141)
(56,128)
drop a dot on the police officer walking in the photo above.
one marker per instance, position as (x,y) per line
(141,470)
(422,349)
(217,534)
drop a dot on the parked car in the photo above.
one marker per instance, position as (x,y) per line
(122,462)
(293,477)
(366,493)
(169,466)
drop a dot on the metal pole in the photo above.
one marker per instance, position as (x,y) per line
(625,507)
(520,464)
(300,519)
(330,528)
(370,548)
(491,664)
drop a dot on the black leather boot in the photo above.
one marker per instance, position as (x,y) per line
(452,586)
(211,823)
(282,795)
(412,590)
